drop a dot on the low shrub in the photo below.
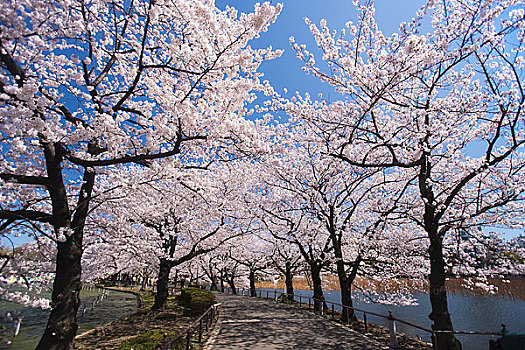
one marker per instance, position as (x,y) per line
(150,340)
(196,300)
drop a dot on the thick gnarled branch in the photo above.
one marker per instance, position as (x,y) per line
(29,215)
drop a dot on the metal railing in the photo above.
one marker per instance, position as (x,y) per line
(391,320)
(199,326)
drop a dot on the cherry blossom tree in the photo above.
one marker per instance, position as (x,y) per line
(88,85)
(442,106)
(253,253)
(218,268)
(357,209)
(286,219)
(27,267)
(177,218)
(209,264)
(110,254)
(479,256)
(230,272)
(287,260)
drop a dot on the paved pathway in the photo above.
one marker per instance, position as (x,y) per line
(251,323)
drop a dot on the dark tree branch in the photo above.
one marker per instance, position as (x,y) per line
(25,180)
(11,65)
(31,215)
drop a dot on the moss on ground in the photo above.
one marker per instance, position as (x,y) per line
(150,339)
(148,299)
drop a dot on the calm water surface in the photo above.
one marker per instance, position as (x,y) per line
(114,306)
(469,313)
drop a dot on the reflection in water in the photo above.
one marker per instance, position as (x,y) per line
(113,306)
(469,313)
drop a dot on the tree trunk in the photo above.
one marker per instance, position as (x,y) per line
(315,271)
(113,279)
(127,280)
(253,291)
(145,278)
(438,295)
(345,280)
(162,284)
(62,324)
(345,283)
(288,280)
(221,277)
(213,286)
(212,277)
(231,282)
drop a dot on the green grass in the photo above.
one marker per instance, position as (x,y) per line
(148,299)
(150,339)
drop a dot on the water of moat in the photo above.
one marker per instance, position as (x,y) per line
(114,305)
(483,313)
